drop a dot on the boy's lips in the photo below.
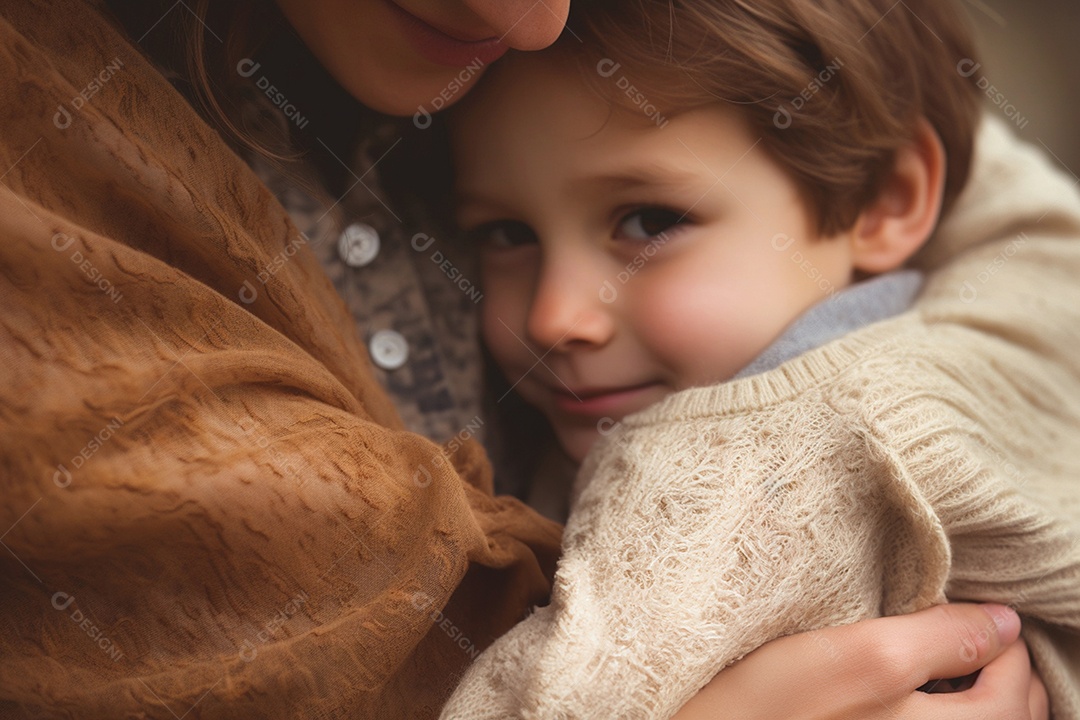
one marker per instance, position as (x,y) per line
(600,402)
(443,48)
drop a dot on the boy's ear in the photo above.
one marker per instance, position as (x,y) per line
(904,215)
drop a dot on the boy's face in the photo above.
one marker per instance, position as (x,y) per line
(621,261)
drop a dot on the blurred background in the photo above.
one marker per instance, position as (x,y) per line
(1031,55)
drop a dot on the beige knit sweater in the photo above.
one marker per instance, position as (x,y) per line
(933,455)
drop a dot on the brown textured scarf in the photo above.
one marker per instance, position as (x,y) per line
(210,509)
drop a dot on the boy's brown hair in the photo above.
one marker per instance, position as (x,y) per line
(834,87)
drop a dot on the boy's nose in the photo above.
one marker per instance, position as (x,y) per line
(567,311)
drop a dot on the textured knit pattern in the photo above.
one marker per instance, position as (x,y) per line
(933,455)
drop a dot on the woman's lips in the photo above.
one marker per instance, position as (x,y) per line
(443,49)
(601,402)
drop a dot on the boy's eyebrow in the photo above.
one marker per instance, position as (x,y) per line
(637,177)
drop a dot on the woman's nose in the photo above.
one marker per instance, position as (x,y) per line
(523,24)
(567,311)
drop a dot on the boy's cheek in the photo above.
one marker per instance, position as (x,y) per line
(681,316)
(702,331)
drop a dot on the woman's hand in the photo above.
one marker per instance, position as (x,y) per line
(872,669)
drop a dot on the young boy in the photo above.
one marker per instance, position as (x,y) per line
(693,220)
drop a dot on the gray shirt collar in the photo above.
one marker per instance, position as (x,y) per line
(862,304)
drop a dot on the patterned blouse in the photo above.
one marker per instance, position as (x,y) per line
(412,292)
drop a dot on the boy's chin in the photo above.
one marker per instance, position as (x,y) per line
(577,441)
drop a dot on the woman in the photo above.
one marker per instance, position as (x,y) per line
(212,508)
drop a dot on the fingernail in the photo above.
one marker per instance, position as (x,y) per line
(1005,620)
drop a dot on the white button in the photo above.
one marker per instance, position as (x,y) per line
(388,349)
(358,245)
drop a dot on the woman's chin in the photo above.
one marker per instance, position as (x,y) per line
(412,92)
(363,48)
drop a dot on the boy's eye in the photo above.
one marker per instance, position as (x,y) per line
(647,223)
(503,234)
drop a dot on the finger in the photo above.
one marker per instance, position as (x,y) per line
(1038,699)
(1007,676)
(1001,692)
(869,668)
(944,641)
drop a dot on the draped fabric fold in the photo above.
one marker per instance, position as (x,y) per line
(210,505)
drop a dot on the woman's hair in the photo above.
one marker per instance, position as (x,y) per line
(834,87)
(198,44)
